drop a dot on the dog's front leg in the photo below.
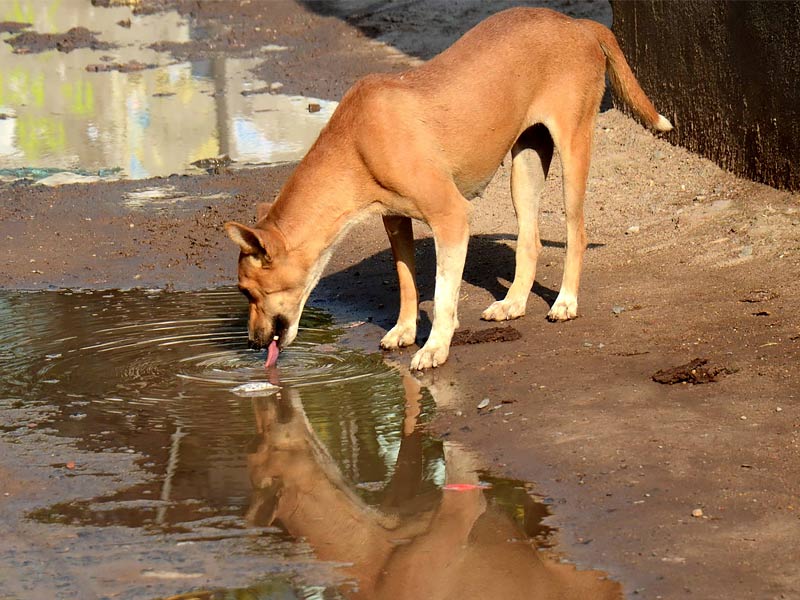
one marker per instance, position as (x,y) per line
(451,235)
(401,237)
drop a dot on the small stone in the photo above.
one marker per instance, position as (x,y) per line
(746,251)
(71,464)
(459,413)
(699,198)
(275,86)
(483,404)
(743,418)
(697,513)
(778,409)
(633,229)
(618,310)
(720,204)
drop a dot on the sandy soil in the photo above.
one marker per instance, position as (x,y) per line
(685,261)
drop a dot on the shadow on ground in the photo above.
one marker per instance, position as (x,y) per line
(404,24)
(490,263)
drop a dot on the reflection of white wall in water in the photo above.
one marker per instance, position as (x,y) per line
(151,122)
(67,117)
(8,129)
(159,135)
(282,132)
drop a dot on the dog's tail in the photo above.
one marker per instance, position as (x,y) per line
(622,79)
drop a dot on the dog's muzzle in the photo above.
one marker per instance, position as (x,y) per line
(260,340)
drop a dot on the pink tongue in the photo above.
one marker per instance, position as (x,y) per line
(272,355)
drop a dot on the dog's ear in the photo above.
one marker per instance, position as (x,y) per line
(250,241)
(266,244)
(264,502)
(262,208)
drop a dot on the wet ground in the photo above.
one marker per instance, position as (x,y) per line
(130,467)
(128,108)
(321,483)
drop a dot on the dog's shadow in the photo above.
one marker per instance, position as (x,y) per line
(369,289)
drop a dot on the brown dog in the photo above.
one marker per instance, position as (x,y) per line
(417,144)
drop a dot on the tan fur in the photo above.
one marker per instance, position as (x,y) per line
(417,144)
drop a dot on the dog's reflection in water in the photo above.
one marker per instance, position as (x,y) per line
(453,544)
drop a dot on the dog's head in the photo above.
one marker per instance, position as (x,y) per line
(274,281)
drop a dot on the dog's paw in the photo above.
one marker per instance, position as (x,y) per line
(429,356)
(563,310)
(504,310)
(399,336)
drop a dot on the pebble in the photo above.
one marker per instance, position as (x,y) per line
(483,404)
(275,86)
(618,310)
(697,513)
(353,324)
(778,409)
(720,204)
(633,229)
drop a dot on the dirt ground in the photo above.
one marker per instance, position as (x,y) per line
(686,261)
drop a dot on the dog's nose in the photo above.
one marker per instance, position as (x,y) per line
(256,344)
(259,339)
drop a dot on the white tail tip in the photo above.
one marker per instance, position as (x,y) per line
(662,124)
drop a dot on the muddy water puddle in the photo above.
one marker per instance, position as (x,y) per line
(156,479)
(125,109)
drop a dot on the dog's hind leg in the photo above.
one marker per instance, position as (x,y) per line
(401,237)
(447,217)
(530,162)
(575,147)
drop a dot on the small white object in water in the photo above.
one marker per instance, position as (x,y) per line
(256,388)
(66,177)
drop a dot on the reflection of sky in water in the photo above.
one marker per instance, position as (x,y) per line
(150,122)
(249,139)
